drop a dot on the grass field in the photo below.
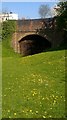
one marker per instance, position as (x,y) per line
(33,86)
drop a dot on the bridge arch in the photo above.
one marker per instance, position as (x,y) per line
(30,26)
(32,44)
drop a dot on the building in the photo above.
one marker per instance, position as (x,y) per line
(8,16)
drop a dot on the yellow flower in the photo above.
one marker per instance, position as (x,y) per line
(30,110)
(15,114)
(8,110)
(56,97)
(36,111)
(44,117)
(4,95)
(9,116)
(43,98)
(50,116)
(54,101)
(9,88)
(61,96)
(33,94)
(45,112)
(53,95)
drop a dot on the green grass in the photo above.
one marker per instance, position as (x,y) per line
(33,86)
(0,79)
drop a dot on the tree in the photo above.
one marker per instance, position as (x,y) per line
(44,10)
(62,15)
(58,25)
(62,20)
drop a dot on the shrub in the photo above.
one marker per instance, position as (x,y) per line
(8,27)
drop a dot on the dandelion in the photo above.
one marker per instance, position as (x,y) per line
(33,75)
(50,116)
(45,112)
(4,95)
(44,117)
(40,105)
(64,100)
(9,88)
(56,96)
(30,110)
(40,80)
(32,113)
(46,84)
(8,110)
(54,102)
(43,98)
(15,114)
(28,98)
(36,112)
(33,94)
(61,96)
(9,116)
(53,95)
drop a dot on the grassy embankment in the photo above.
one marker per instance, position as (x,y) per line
(33,86)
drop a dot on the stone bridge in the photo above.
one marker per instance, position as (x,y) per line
(30,26)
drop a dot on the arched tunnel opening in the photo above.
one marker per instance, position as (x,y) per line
(33,44)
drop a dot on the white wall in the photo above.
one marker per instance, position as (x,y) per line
(13,16)
(8,16)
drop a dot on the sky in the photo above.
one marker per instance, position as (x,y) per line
(25,9)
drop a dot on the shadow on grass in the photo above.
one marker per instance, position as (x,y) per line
(62,46)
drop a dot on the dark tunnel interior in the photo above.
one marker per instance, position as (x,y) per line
(32,44)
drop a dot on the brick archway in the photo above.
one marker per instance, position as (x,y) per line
(32,44)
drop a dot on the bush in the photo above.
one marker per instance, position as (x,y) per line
(8,27)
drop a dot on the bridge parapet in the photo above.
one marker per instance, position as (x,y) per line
(29,25)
